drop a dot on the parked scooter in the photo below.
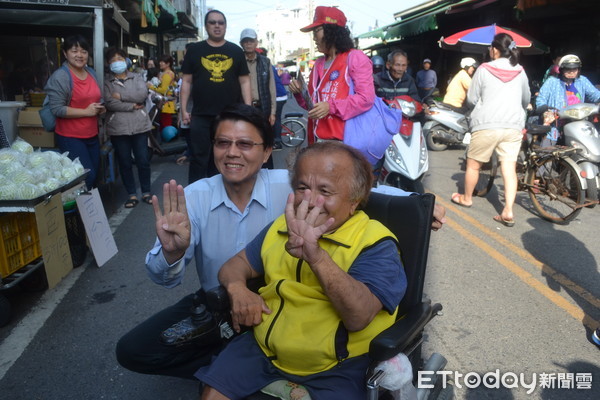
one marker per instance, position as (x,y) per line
(581,133)
(406,159)
(159,142)
(444,127)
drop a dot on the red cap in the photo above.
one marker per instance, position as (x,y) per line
(326,15)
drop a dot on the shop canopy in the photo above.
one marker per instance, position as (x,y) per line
(423,20)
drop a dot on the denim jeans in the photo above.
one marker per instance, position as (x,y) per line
(138,144)
(88,152)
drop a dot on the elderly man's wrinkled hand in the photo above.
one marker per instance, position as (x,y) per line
(303,231)
(247,307)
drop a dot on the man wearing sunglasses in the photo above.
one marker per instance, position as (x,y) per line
(216,75)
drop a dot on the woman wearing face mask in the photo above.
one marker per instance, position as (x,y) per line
(166,88)
(127,124)
(76,100)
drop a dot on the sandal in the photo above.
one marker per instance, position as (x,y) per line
(147,198)
(457,199)
(131,202)
(506,222)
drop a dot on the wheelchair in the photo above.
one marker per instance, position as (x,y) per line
(410,219)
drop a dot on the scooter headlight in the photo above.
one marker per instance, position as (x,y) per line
(393,154)
(408,108)
(578,112)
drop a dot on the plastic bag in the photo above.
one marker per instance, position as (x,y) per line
(398,377)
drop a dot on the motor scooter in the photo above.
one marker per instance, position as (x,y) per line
(579,132)
(156,143)
(406,159)
(445,126)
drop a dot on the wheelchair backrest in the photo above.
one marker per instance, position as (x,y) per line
(409,218)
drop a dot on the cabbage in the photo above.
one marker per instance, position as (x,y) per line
(27,174)
(10,156)
(22,146)
(8,191)
(23,176)
(28,191)
(38,159)
(49,185)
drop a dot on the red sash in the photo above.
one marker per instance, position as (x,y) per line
(333,84)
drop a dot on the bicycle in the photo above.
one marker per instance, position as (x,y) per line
(548,174)
(293,130)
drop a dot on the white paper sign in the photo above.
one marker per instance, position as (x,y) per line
(96,226)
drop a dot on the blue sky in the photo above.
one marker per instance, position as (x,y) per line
(362,13)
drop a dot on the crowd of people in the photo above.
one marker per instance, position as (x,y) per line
(340,270)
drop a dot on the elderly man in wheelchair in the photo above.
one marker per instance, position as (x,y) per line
(334,281)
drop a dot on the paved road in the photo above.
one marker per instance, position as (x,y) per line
(517,300)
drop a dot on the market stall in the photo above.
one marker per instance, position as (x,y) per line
(34,187)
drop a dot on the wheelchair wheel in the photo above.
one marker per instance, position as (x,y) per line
(293,132)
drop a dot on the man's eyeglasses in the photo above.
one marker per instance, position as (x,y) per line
(243,145)
(214,22)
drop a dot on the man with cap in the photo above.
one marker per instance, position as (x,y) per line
(426,79)
(262,80)
(220,77)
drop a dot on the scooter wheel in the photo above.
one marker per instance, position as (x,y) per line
(432,141)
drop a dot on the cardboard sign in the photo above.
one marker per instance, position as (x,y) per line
(54,243)
(96,226)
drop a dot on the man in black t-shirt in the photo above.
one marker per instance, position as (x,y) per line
(220,77)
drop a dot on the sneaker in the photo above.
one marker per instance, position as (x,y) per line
(596,337)
(276,146)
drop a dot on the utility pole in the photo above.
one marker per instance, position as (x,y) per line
(311,15)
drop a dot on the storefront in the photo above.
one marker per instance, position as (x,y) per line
(29,48)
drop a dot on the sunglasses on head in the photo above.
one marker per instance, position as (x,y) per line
(215,22)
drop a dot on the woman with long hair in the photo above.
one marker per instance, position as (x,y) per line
(341,82)
(127,124)
(499,94)
(166,88)
(76,100)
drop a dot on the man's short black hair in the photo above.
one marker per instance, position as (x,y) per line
(214,11)
(252,115)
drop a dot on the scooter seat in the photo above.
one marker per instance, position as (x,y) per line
(535,129)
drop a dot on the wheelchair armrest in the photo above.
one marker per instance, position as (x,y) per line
(397,337)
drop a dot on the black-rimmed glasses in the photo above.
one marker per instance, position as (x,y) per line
(215,22)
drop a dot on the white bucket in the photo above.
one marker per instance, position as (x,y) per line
(9,112)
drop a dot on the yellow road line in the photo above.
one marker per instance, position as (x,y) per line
(525,276)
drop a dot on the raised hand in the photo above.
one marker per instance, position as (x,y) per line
(173,227)
(303,233)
